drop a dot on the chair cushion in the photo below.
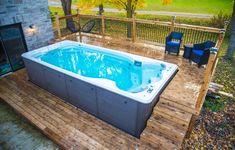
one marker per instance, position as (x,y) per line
(198,52)
(173,43)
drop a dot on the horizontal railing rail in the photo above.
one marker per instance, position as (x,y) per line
(140,29)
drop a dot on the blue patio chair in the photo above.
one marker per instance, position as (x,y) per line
(173,42)
(201,52)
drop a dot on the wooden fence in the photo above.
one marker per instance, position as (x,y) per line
(150,31)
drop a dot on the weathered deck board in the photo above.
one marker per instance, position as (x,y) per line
(73,128)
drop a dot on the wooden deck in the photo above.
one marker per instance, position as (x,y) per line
(73,128)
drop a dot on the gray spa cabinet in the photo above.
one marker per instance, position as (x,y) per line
(124,113)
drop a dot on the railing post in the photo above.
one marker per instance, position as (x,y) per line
(226,23)
(206,80)
(57,21)
(203,90)
(220,38)
(79,25)
(103,25)
(222,34)
(191,125)
(219,43)
(173,23)
(134,27)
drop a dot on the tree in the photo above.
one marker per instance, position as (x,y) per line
(88,4)
(166,2)
(231,46)
(129,6)
(66,5)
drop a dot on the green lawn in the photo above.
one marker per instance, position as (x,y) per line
(185,20)
(59,10)
(192,6)
(189,6)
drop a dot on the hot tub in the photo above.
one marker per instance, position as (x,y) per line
(117,87)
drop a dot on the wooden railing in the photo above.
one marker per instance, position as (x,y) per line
(148,31)
(208,74)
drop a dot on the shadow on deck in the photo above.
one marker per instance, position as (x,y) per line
(73,128)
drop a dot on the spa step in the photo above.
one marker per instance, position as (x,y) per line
(181,107)
(156,140)
(168,128)
(162,106)
(173,114)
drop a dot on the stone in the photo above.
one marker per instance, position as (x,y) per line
(18,1)
(29,12)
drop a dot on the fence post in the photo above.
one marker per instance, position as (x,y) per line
(103,25)
(226,23)
(191,125)
(134,27)
(203,90)
(219,43)
(222,34)
(57,21)
(173,23)
(79,25)
(206,80)
(220,38)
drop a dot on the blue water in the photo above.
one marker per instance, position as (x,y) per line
(129,75)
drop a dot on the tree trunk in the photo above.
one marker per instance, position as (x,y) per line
(231,46)
(101,9)
(129,13)
(66,5)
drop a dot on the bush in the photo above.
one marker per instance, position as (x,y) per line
(214,105)
(52,16)
(218,20)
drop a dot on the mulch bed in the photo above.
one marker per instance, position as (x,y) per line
(214,130)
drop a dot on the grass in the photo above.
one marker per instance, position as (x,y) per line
(154,33)
(185,20)
(188,6)
(59,10)
(192,6)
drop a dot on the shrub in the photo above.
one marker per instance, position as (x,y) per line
(214,105)
(52,16)
(218,20)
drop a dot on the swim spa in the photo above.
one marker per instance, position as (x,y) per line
(117,87)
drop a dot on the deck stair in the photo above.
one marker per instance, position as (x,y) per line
(166,127)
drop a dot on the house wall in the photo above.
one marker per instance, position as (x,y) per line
(29,12)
